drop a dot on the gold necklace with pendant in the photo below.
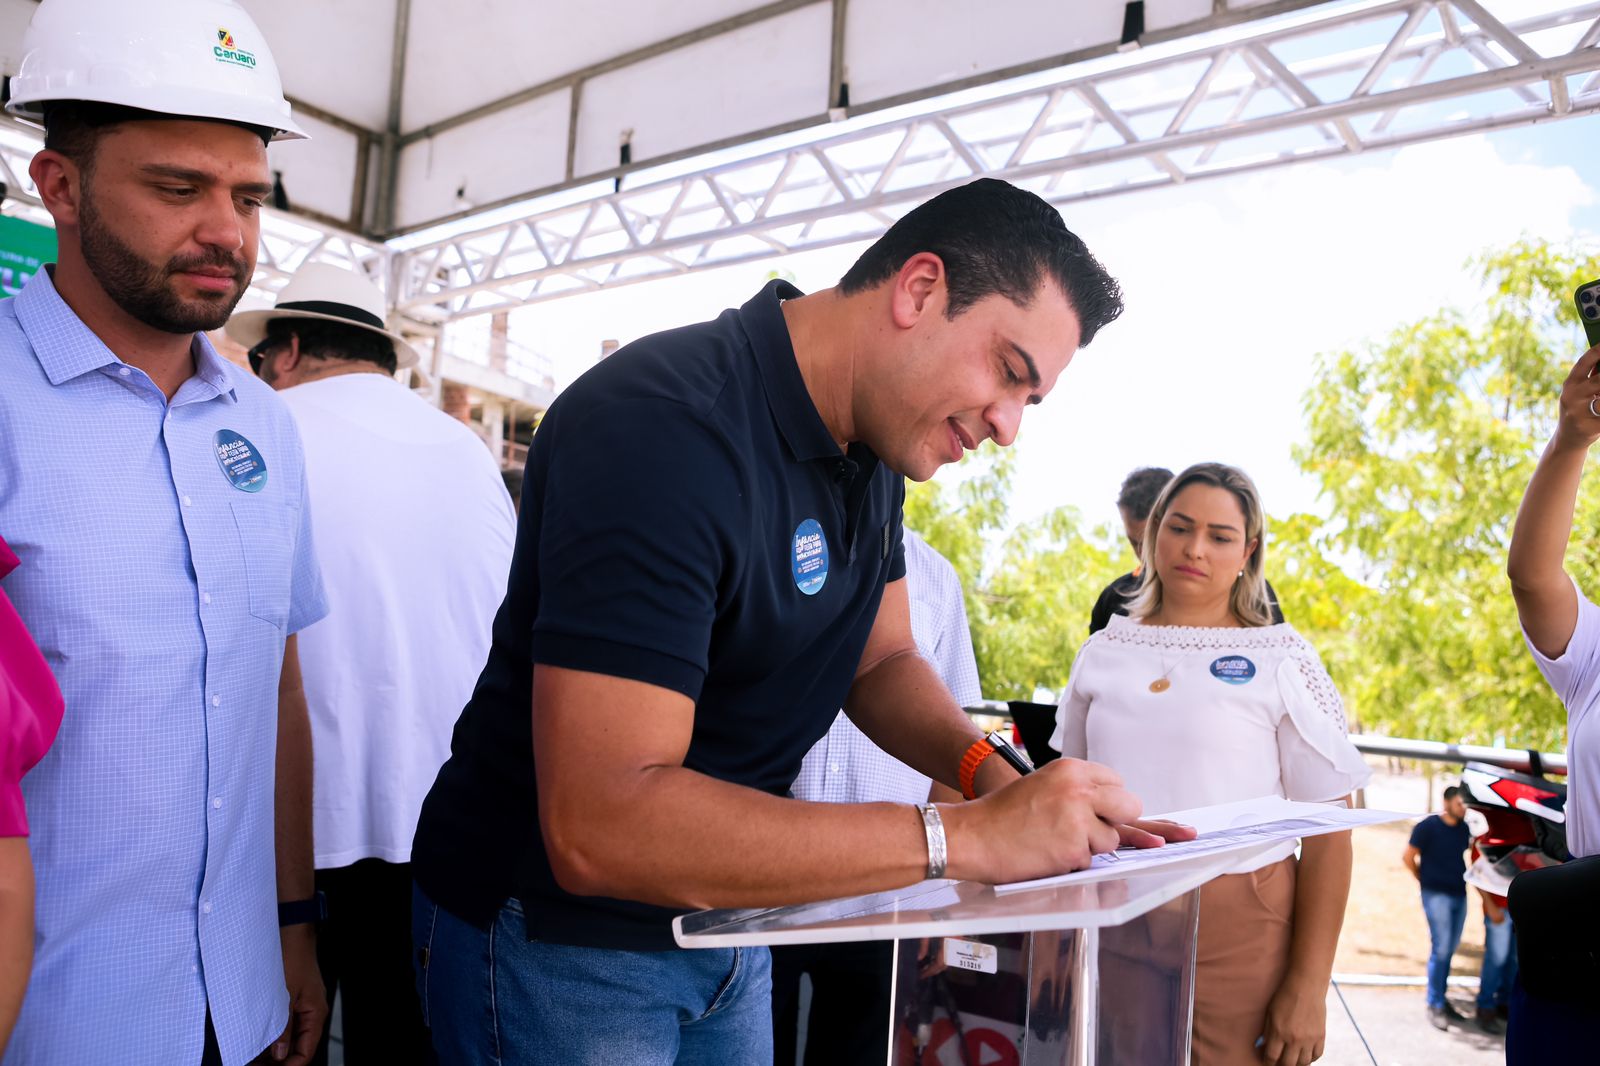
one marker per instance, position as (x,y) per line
(1164,682)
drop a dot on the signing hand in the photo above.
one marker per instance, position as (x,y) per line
(1154,832)
(1050,822)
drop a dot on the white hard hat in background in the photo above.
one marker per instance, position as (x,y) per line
(186,58)
(329,293)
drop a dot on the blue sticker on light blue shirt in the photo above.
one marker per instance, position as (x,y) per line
(1234,669)
(809,557)
(240,461)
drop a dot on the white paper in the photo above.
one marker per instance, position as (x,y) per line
(1222,828)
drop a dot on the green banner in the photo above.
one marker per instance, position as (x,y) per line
(24,248)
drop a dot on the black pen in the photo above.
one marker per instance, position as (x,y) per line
(1002,747)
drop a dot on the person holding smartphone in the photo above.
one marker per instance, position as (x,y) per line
(1558,934)
(1198,698)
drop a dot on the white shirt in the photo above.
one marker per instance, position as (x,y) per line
(846,767)
(1575,676)
(413,528)
(1250,712)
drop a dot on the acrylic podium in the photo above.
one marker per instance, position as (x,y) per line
(1067,975)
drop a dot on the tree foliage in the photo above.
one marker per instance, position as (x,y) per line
(1422,444)
(1028,596)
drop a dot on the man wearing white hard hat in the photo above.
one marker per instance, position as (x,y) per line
(156,496)
(414,530)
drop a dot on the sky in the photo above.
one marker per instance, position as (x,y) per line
(1232,288)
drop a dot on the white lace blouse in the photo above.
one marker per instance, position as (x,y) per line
(1247,712)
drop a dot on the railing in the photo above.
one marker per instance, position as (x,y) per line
(514,454)
(1519,759)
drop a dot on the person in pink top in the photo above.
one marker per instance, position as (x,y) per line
(30,713)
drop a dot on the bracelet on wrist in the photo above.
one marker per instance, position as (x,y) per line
(938,850)
(980,750)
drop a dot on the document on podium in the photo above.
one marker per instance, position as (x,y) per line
(1222,828)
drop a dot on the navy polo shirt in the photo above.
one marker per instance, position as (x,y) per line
(1441,865)
(687,521)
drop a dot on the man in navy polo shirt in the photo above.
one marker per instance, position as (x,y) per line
(708,565)
(1435,855)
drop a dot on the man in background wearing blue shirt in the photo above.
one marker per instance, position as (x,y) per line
(1436,858)
(156,497)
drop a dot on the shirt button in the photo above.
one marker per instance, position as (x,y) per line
(833,768)
(124,371)
(217,803)
(188,501)
(216,701)
(205,908)
(205,597)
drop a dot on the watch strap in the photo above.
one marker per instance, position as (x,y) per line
(303,911)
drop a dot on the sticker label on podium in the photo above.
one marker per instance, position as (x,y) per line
(970,955)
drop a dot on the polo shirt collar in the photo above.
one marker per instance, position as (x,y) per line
(792,407)
(66,348)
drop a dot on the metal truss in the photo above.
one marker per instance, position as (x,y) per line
(1328,84)
(288,241)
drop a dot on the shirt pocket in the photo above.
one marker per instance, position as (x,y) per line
(267,531)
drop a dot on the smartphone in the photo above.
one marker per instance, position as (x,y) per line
(1588,300)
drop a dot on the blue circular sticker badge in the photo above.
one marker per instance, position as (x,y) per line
(809,557)
(240,461)
(1234,669)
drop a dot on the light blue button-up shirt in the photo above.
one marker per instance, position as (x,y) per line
(160,594)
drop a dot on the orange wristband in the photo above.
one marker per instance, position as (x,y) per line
(981,749)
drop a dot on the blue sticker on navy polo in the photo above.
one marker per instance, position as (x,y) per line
(1234,669)
(809,557)
(240,461)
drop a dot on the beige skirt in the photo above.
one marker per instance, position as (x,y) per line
(1246,921)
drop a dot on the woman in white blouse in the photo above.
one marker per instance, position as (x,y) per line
(1197,698)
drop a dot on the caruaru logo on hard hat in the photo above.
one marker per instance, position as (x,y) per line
(227,53)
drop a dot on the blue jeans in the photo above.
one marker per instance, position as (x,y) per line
(492,997)
(1499,964)
(1447,916)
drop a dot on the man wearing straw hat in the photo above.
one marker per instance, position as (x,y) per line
(413,529)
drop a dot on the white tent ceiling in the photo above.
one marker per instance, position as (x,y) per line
(424,110)
(836,114)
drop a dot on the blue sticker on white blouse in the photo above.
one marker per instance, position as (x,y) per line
(809,557)
(1234,669)
(240,461)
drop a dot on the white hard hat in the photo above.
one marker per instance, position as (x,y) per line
(329,293)
(186,58)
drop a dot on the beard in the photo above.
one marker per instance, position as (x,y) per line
(146,291)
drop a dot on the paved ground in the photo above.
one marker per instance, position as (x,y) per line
(1393,1021)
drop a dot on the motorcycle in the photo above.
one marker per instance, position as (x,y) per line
(1519,820)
